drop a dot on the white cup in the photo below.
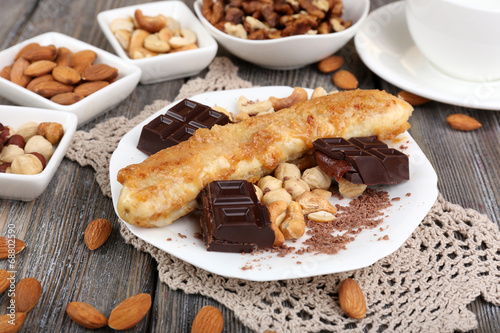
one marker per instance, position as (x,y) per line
(459,37)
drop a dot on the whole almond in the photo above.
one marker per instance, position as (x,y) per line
(7,244)
(345,80)
(5,73)
(17,75)
(412,99)
(208,320)
(89,88)
(330,64)
(40,67)
(48,52)
(40,79)
(462,122)
(83,59)
(4,280)
(64,56)
(66,75)
(97,232)
(130,312)
(99,72)
(28,292)
(52,88)
(86,315)
(24,49)
(6,322)
(66,98)
(351,299)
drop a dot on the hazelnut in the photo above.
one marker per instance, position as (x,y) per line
(41,158)
(10,152)
(4,167)
(5,133)
(17,140)
(285,171)
(38,144)
(295,187)
(28,130)
(53,132)
(269,183)
(279,194)
(27,164)
(316,178)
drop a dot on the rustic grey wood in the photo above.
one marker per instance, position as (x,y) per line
(468,166)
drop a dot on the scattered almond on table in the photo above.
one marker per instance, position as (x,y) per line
(86,315)
(130,312)
(19,245)
(4,280)
(208,320)
(27,295)
(6,321)
(412,99)
(351,299)
(462,122)
(97,232)
(330,64)
(56,73)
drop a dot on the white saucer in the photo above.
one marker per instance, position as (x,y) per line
(384,44)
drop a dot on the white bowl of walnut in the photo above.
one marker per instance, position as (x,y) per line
(164,39)
(284,35)
(32,144)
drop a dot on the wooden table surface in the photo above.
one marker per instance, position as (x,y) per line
(467,164)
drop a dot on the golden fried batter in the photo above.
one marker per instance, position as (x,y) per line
(164,187)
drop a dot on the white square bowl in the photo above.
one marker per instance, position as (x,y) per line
(167,66)
(90,106)
(29,187)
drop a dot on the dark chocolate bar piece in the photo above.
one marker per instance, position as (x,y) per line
(233,219)
(178,124)
(362,160)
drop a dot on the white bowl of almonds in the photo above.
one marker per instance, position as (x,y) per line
(58,72)
(288,35)
(32,144)
(165,39)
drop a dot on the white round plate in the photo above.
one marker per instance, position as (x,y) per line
(402,218)
(386,47)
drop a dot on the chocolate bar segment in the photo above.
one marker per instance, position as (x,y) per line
(178,124)
(362,160)
(233,219)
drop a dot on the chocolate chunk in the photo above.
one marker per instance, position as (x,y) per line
(362,160)
(178,124)
(233,219)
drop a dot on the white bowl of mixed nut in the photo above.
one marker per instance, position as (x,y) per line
(165,39)
(32,144)
(58,72)
(282,35)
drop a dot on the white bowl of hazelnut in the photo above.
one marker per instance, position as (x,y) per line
(32,144)
(27,67)
(164,39)
(285,35)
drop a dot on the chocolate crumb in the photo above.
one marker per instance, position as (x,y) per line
(246,267)
(408,194)
(169,239)
(181,235)
(396,199)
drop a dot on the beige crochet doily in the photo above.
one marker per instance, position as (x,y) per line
(425,286)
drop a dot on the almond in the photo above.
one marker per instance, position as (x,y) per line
(40,67)
(64,56)
(24,49)
(27,294)
(66,98)
(345,80)
(6,322)
(4,282)
(66,75)
(17,75)
(99,72)
(40,79)
(89,88)
(83,59)
(5,73)
(97,232)
(130,312)
(51,88)
(351,299)
(330,64)
(462,122)
(7,243)
(86,315)
(208,320)
(412,99)
(48,52)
